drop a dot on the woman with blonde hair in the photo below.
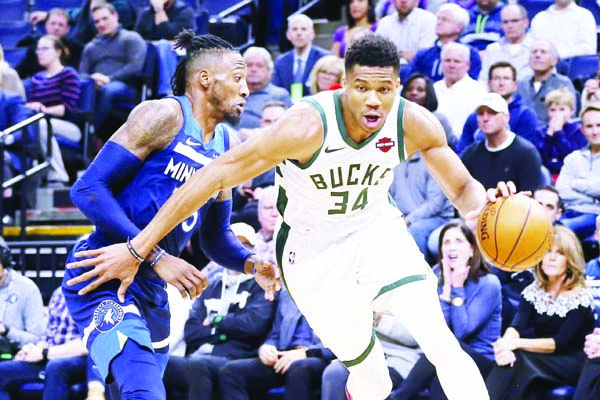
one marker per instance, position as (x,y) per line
(326,74)
(9,78)
(545,341)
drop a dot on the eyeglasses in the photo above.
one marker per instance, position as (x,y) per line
(329,74)
(502,78)
(43,49)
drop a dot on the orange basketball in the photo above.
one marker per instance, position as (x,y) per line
(514,233)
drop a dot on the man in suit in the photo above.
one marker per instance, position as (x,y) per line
(293,67)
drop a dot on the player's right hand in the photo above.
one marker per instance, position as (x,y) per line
(184,276)
(111,262)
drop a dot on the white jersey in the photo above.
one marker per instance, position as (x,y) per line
(345,184)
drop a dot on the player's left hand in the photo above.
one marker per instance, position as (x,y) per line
(111,262)
(184,276)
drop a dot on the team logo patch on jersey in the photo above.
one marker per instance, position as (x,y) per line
(292,257)
(108,315)
(385,144)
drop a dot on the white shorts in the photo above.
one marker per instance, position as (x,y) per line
(336,280)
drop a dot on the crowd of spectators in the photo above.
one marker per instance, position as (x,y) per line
(489,71)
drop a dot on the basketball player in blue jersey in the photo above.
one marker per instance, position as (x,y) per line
(160,146)
(343,249)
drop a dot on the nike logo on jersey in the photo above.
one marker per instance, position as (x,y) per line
(191,142)
(328,150)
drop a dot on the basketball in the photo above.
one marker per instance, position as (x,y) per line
(514,233)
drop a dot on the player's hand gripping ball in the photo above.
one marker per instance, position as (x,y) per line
(514,233)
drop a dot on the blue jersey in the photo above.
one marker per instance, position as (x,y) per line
(144,317)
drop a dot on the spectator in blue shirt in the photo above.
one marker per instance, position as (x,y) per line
(292,356)
(485,26)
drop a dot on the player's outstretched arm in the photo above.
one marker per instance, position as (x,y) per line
(297,135)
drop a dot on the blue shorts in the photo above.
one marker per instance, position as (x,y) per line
(107,323)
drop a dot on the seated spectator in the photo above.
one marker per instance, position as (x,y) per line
(571,28)
(418,88)
(326,74)
(562,135)
(471,301)
(523,121)
(22,318)
(588,386)
(410,28)
(534,89)
(502,156)
(259,65)
(549,198)
(513,47)
(60,346)
(55,91)
(545,340)
(425,207)
(400,349)
(57,24)
(484,26)
(360,14)
(451,21)
(293,67)
(82,24)
(457,93)
(591,92)
(113,60)
(579,180)
(9,79)
(292,356)
(592,268)
(227,322)
(160,22)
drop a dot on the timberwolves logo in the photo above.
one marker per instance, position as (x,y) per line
(108,315)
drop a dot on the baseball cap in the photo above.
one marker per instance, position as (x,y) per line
(245,231)
(495,102)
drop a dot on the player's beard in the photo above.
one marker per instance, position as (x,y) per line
(232,117)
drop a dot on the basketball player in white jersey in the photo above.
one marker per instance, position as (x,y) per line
(343,249)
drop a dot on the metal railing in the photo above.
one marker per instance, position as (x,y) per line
(23,178)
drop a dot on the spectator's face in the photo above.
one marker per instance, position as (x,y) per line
(416,91)
(503,82)
(548,200)
(491,122)
(487,5)
(590,125)
(446,25)
(106,22)
(359,8)
(563,3)
(562,111)
(541,58)
(270,115)
(57,25)
(258,71)
(514,24)
(456,249)
(267,212)
(46,53)
(454,66)
(326,77)
(554,263)
(404,7)
(300,33)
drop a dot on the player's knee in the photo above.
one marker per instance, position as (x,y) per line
(137,373)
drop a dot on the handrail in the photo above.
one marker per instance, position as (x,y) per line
(24,176)
(305,7)
(237,7)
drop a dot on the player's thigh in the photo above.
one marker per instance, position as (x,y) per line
(321,276)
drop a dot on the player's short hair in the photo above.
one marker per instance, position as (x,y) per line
(372,51)
(196,47)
